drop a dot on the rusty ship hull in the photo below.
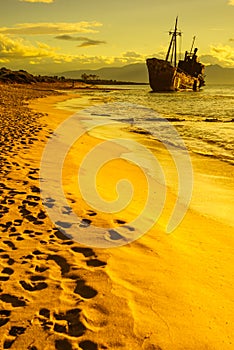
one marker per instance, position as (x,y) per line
(164,77)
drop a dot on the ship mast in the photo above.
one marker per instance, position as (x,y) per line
(192,45)
(173,44)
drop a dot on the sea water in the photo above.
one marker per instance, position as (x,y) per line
(204,119)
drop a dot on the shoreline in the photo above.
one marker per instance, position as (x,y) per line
(170,290)
(209,172)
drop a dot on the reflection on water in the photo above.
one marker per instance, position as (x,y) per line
(205,119)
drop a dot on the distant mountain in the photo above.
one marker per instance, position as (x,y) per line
(216,74)
(137,72)
(133,72)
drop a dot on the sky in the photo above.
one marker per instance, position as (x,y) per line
(53,36)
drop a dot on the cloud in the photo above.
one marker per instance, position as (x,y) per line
(69,37)
(90,42)
(132,54)
(220,54)
(51,28)
(44,1)
(14,49)
(86,41)
(94,61)
(209,59)
(128,57)
(231,2)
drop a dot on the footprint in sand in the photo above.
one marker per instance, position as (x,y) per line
(14,332)
(122,222)
(3,210)
(13,193)
(10,244)
(29,232)
(4,317)
(28,258)
(61,262)
(4,278)
(10,261)
(35,189)
(13,300)
(63,224)
(62,344)
(49,202)
(8,343)
(66,210)
(60,235)
(85,223)
(34,198)
(41,215)
(6,226)
(7,271)
(83,290)
(66,240)
(29,203)
(95,263)
(35,284)
(88,252)
(114,235)
(91,213)
(41,268)
(89,345)
(72,325)
(67,323)
(33,172)
(17,222)
(27,214)
(17,235)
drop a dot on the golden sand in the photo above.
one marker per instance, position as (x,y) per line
(162,291)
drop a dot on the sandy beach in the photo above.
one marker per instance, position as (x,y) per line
(160,292)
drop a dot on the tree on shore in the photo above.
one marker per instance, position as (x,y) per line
(89,77)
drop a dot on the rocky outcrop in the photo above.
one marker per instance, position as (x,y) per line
(20,77)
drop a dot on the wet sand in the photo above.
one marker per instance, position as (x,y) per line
(159,292)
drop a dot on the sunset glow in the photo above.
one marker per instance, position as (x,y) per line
(52,36)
